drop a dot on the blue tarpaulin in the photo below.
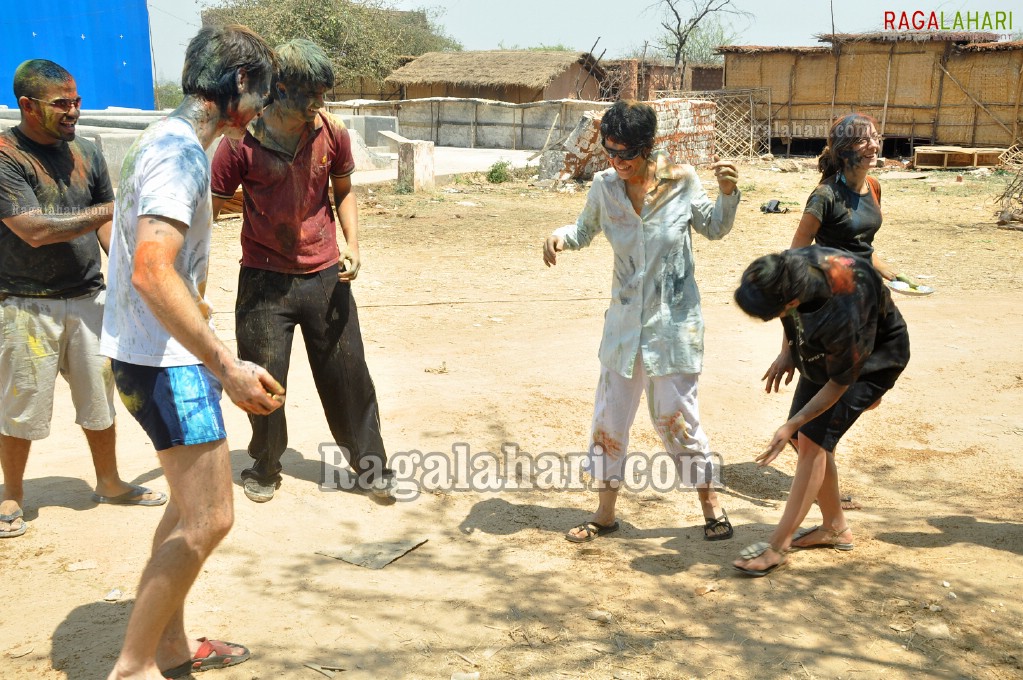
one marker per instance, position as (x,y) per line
(103,43)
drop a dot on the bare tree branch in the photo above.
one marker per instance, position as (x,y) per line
(680,26)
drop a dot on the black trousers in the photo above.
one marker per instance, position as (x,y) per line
(268,307)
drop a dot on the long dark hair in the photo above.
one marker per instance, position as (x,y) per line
(844,134)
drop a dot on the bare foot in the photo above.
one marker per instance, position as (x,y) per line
(762,564)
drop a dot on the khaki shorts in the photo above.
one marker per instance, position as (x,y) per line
(41,337)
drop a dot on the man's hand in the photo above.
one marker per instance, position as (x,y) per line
(350,264)
(551,247)
(252,389)
(726,174)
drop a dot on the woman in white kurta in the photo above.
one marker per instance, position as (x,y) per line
(647,207)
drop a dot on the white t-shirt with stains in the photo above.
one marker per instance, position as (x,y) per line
(165,174)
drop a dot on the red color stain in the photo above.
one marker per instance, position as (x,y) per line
(675,425)
(154,256)
(610,446)
(839,270)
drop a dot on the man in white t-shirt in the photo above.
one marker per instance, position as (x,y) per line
(167,362)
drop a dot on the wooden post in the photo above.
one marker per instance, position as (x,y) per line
(837,51)
(1015,113)
(792,94)
(941,86)
(472,124)
(887,88)
(973,132)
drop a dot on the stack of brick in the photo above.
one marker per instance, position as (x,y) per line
(685,129)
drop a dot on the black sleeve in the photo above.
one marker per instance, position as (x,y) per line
(16,195)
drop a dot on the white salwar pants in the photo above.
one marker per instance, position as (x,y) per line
(674,412)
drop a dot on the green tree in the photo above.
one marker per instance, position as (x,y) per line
(167,95)
(364,39)
(704,41)
(682,23)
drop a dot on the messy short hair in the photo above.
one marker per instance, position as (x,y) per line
(216,55)
(631,123)
(32,77)
(301,64)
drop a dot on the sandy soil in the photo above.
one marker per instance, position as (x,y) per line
(472,340)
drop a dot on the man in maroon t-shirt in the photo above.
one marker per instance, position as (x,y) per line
(293,272)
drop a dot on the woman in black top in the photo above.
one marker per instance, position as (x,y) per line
(844,210)
(850,344)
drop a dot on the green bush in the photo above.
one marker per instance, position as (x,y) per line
(499,172)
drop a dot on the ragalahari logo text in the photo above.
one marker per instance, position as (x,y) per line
(939,20)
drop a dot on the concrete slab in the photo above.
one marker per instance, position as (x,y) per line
(450,161)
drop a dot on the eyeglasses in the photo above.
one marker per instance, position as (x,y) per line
(64,105)
(623,154)
(876,138)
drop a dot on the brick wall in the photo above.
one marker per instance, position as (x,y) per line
(685,129)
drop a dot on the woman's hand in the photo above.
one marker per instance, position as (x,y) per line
(782,437)
(726,174)
(781,367)
(551,247)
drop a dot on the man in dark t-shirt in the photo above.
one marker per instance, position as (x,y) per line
(56,204)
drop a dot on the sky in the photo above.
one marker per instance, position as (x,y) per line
(622,26)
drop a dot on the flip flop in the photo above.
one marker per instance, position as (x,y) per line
(211,655)
(133,497)
(832,543)
(13,533)
(591,530)
(711,525)
(756,550)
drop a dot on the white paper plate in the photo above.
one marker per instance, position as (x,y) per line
(907,289)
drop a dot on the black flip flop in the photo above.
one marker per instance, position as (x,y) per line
(591,530)
(712,524)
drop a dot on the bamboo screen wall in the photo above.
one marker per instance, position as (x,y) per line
(933,91)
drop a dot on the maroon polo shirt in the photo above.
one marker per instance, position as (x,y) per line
(288,225)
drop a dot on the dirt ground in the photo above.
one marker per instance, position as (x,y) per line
(471,340)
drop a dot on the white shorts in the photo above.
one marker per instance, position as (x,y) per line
(40,338)
(674,412)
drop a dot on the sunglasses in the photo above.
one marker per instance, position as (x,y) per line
(64,105)
(623,154)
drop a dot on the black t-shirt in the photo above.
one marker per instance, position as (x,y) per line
(58,179)
(855,335)
(849,220)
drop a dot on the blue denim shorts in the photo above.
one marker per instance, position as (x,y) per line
(175,405)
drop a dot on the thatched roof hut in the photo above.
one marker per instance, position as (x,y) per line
(939,87)
(516,76)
